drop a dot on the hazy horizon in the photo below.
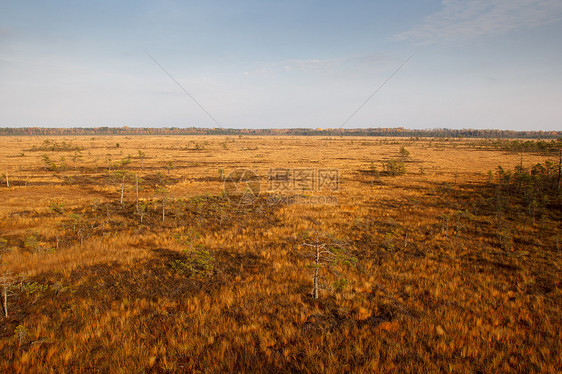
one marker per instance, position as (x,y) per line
(473,64)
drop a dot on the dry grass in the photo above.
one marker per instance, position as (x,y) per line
(445,278)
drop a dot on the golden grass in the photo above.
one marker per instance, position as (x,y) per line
(444,282)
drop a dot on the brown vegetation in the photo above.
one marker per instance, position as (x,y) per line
(449,264)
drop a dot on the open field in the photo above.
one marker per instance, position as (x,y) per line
(438,260)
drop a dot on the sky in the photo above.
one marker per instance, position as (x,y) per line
(279,64)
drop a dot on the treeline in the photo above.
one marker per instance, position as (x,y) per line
(392,132)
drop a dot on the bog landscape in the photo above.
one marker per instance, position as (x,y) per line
(279,253)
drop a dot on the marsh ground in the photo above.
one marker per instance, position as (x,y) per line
(447,271)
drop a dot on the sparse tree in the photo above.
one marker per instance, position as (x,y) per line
(78,226)
(108,159)
(188,238)
(124,162)
(404,152)
(141,210)
(21,333)
(394,167)
(141,155)
(63,165)
(49,164)
(122,176)
(327,255)
(56,207)
(75,157)
(122,188)
(163,192)
(7,282)
(137,180)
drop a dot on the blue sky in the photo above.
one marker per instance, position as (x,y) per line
(262,64)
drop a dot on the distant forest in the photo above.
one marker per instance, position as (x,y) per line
(394,132)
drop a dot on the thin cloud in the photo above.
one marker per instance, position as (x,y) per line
(469,19)
(315,65)
(302,65)
(361,63)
